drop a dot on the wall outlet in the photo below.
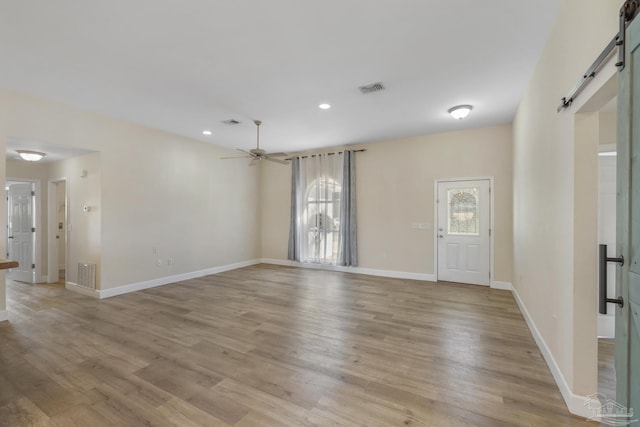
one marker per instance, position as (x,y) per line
(155,250)
(169,261)
(159,262)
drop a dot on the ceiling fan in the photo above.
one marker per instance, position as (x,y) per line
(256,154)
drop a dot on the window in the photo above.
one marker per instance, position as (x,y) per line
(463,217)
(323,209)
(321,221)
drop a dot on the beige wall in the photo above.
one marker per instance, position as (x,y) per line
(607,127)
(551,200)
(395,182)
(152,189)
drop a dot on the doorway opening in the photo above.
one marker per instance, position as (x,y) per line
(607,173)
(463,238)
(58,235)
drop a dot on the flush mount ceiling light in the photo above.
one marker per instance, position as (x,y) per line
(324,106)
(30,156)
(206,132)
(460,112)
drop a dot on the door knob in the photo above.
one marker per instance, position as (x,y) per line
(440,236)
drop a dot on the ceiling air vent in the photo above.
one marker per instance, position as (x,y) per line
(374,87)
(231,122)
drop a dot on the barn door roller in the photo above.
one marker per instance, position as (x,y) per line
(628,12)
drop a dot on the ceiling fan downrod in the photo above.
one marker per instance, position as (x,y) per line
(258,123)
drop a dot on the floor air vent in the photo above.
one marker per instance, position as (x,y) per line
(87,275)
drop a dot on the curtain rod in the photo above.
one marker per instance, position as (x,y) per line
(328,154)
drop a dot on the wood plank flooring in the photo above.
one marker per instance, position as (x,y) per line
(606,368)
(274,346)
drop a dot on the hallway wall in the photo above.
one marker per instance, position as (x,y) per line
(548,200)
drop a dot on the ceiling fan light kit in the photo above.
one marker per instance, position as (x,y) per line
(256,154)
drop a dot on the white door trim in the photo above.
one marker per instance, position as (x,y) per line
(52,212)
(37,238)
(492,281)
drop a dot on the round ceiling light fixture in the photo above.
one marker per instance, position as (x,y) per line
(324,106)
(459,112)
(30,156)
(206,132)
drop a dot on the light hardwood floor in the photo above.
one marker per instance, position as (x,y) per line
(606,368)
(274,346)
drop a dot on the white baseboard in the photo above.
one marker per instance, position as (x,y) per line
(4,315)
(576,404)
(505,286)
(356,270)
(82,290)
(133,287)
(606,326)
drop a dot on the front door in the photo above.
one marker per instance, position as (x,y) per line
(628,226)
(463,231)
(21,232)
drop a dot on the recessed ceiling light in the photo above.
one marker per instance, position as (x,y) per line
(460,111)
(206,132)
(324,106)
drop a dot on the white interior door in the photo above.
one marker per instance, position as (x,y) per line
(21,232)
(463,234)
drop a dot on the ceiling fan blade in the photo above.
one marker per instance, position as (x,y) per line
(238,157)
(282,162)
(277,155)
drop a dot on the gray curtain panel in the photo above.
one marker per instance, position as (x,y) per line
(348,252)
(294,233)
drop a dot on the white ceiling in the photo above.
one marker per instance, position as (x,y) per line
(184,66)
